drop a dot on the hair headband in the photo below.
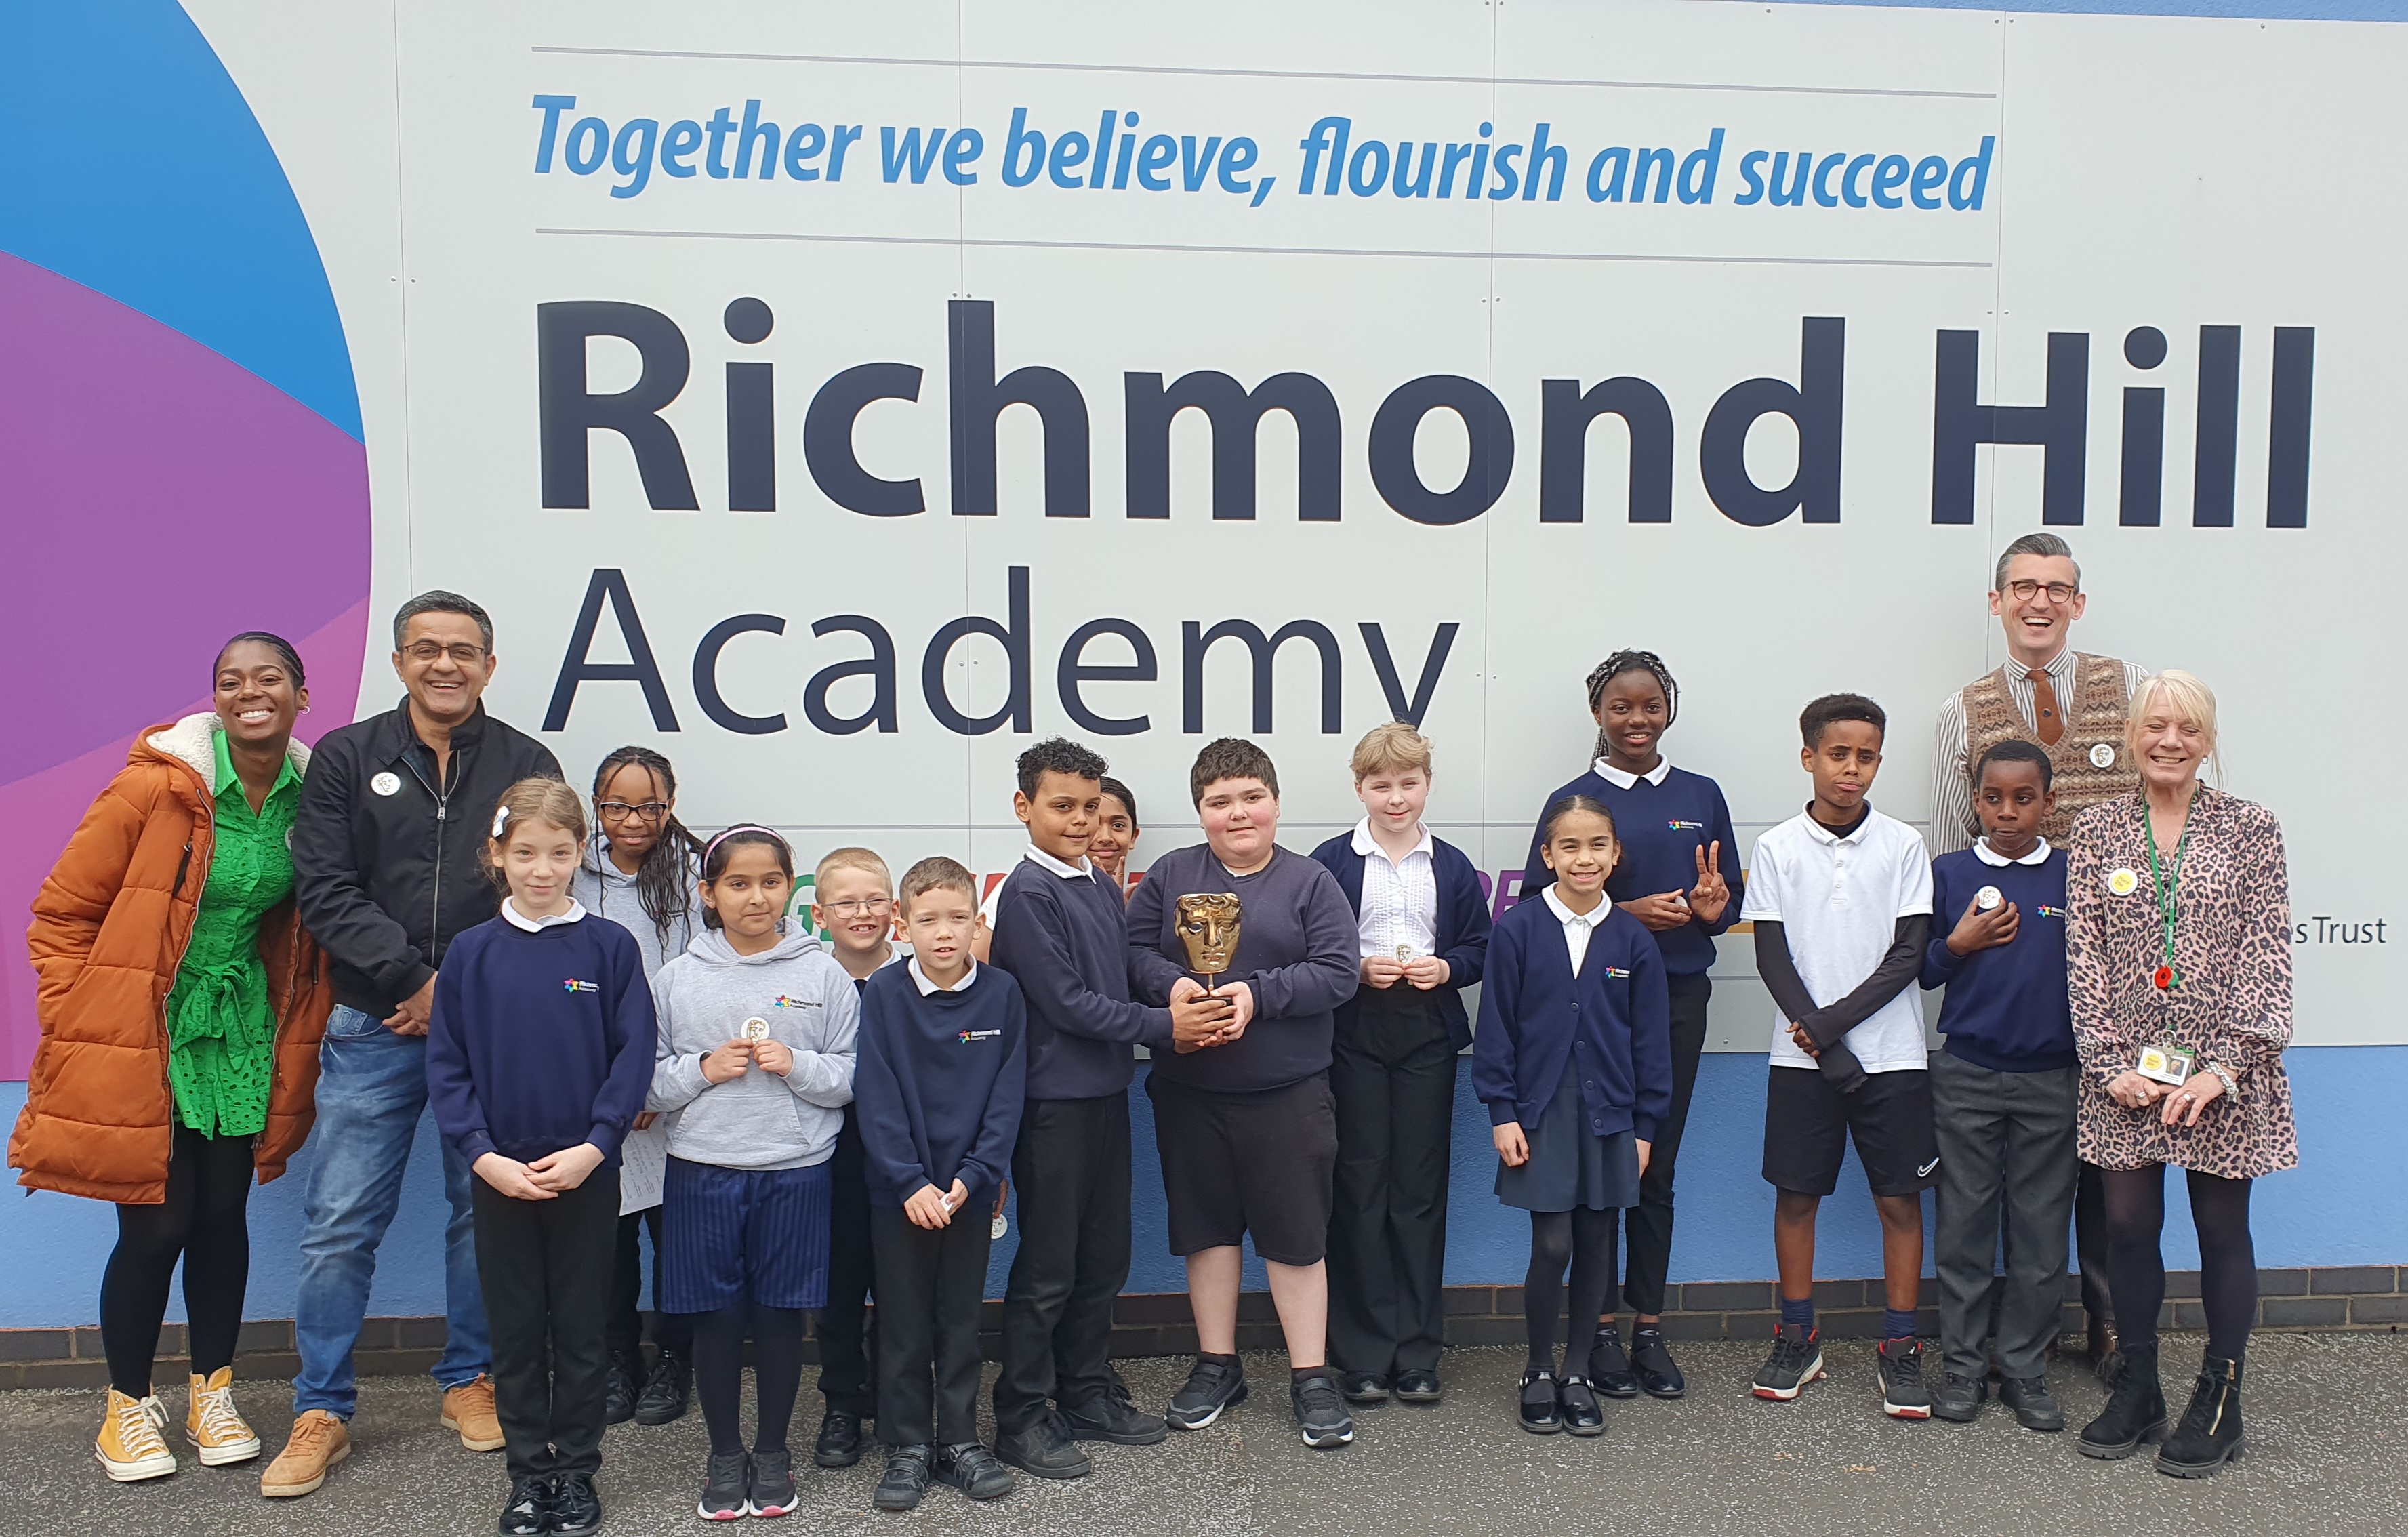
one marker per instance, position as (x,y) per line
(739,828)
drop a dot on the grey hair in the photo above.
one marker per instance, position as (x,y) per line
(2047,545)
(439,601)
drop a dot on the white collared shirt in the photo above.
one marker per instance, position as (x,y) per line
(1621,781)
(1399,900)
(1838,901)
(511,915)
(920,979)
(1990,857)
(1578,927)
(1042,860)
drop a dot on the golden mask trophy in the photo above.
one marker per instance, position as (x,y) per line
(1208,927)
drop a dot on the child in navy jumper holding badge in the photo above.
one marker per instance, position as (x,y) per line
(1573,1060)
(537,1053)
(2002,1091)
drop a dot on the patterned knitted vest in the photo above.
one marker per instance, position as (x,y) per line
(2093,719)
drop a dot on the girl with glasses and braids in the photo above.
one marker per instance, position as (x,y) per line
(1679,875)
(640,871)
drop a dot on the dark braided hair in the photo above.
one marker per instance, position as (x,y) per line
(660,880)
(276,643)
(1632,661)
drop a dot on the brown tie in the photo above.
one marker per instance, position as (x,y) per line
(2044,715)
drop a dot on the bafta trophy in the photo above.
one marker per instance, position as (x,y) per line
(1208,927)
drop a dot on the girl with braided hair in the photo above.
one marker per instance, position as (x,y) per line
(1679,876)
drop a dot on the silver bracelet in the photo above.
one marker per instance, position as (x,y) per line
(2224,1076)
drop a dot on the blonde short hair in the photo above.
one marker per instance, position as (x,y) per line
(1394,747)
(2192,702)
(865,860)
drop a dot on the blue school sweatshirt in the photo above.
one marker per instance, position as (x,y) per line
(1660,827)
(1462,926)
(1064,939)
(540,1040)
(938,1082)
(1534,1015)
(2005,1008)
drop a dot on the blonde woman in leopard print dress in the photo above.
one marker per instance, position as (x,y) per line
(2179,937)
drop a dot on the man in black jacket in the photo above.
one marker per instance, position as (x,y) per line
(386,871)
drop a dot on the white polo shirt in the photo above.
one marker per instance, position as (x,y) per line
(1838,901)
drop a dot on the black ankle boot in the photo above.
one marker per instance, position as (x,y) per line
(2136,1409)
(2210,1433)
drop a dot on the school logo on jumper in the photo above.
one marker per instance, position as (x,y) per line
(968,1036)
(1617,973)
(782,1001)
(1678,825)
(570,984)
(2047,912)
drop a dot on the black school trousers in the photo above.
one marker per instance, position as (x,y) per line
(545,1268)
(1070,1168)
(1392,1074)
(848,1331)
(672,1332)
(931,1284)
(1647,1227)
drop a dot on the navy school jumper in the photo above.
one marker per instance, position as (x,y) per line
(1660,827)
(1462,927)
(1533,1012)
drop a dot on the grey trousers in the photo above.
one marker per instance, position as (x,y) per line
(2006,1173)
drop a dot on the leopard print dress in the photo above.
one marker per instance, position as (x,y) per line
(2232,1005)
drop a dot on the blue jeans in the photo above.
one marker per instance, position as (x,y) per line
(371,1095)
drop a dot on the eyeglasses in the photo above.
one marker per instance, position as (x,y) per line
(865,907)
(619,810)
(426,654)
(2024,592)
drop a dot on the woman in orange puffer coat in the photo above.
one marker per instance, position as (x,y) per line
(181,1005)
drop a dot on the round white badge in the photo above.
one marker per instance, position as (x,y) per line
(996,1227)
(2102,755)
(2123,882)
(757,1028)
(385,783)
(1987,899)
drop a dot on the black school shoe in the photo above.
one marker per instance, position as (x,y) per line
(1609,1365)
(973,1470)
(1210,1387)
(1320,1416)
(770,1491)
(726,1488)
(1111,1416)
(621,1385)
(1541,1415)
(1419,1386)
(1577,1405)
(1959,1399)
(839,1442)
(576,1509)
(2210,1433)
(1043,1450)
(528,1511)
(2136,1408)
(1363,1387)
(1659,1375)
(2035,1407)
(906,1480)
(663,1398)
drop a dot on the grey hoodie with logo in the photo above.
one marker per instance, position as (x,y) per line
(758,1120)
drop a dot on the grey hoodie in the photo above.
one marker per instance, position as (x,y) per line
(758,1120)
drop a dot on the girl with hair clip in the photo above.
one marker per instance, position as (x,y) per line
(1573,1059)
(640,871)
(755,1068)
(537,1053)
(1678,875)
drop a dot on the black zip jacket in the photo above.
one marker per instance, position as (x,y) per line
(384,854)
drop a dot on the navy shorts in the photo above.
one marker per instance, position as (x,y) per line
(729,1235)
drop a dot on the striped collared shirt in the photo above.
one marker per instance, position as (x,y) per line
(1954,826)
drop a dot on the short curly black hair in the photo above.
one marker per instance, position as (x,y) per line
(1058,755)
(1840,707)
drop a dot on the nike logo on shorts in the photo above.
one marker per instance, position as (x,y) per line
(1925,1172)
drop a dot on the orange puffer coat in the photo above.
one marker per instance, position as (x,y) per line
(109,929)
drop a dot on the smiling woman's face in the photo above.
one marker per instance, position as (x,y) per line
(256,695)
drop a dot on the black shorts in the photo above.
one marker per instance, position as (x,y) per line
(1807,1124)
(1258,1163)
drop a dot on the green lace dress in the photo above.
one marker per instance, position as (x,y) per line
(221,1028)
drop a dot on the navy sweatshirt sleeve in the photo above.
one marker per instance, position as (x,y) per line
(633,1035)
(1948,905)
(940,1082)
(1459,898)
(451,1087)
(889,1149)
(1068,948)
(989,1157)
(1326,976)
(1496,1066)
(1651,1041)
(1152,971)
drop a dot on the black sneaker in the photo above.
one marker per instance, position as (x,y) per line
(839,1442)
(1320,1416)
(1577,1404)
(1043,1450)
(1112,1418)
(2136,1408)
(1903,1394)
(576,1509)
(973,1470)
(1609,1365)
(528,1514)
(1542,1412)
(726,1488)
(1363,1387)
(621,1385)
(770,1489)
(1797,1360)
(2035,1407)
(1210,1387)
(906,1479)
(663,1397)
(1658,1373)
(1958,1399)
(1418,1384)
(2210,1433)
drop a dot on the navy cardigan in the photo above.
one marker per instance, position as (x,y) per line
(1463,925)
(1533,1010)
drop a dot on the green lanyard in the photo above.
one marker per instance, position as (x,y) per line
(2164,880)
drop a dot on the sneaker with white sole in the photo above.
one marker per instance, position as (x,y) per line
(130,1447)
(1211,1387)
(1904,1396)
(216,1428)
(1797,1360)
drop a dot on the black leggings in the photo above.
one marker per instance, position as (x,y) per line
(2136,1269)
(719,1372)
(202,1221)
(1585,1238)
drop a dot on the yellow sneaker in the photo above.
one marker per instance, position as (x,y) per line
(216,1431)
(469,1410)
(319,1441)
(130,1447)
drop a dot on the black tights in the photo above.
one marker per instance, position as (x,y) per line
(719,1372)
(1585,1238)
(2136,1269)
(202,1222)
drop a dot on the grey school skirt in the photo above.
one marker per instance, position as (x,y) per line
(1569,1165)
